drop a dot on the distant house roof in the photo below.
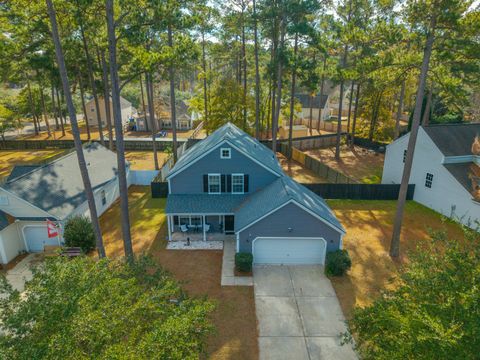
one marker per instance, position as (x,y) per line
(277,194)
(306,100)
(246,144)
(20,170)
(57,187)
(203,203)
(453,139)
(124,103)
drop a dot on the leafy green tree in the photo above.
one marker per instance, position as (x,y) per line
(434,312)
(79,233)
(87,309)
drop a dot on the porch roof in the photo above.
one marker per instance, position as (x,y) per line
(203,203)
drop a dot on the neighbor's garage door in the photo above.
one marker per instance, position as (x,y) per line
(37,237)
(289,251)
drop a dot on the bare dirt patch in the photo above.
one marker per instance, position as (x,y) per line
(199,272)
(298,172)
(57,134)
(369,227)
(359,164)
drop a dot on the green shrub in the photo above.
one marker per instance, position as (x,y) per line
(337,263)
(79,233)
(243,262)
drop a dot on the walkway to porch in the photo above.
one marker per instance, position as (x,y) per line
(198,236)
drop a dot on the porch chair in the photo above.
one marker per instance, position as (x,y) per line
(207,227)
(184,228)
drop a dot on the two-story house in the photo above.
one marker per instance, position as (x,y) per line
(445,170)
(230,184)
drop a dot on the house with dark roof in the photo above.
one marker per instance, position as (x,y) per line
(230,184)
(446,169)
(32,194)
(314,104)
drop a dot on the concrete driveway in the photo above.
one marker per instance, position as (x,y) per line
(299,316)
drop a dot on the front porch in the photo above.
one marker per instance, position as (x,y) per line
(199,227)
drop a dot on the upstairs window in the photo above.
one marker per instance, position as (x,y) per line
(104,198)
(225,153)
(238,184)
(214,183)
(404,156)
(429,180)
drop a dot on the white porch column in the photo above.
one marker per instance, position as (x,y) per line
(203,227)
(169,223)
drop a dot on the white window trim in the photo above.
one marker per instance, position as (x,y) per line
(229,153)
(243,184)
(219,183)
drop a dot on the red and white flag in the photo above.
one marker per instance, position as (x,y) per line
(52,229)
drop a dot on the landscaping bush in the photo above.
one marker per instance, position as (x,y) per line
(337,263)
(79,233)
(243,262)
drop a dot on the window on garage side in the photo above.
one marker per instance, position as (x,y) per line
(428,180)
(404,156)
(104,197)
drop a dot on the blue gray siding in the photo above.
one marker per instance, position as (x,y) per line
(190,180)
(302,223)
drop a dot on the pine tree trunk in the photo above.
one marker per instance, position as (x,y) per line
(32,106)
(402,196)
(106,97)
(143,104)
(84,108)
(205,95)
(257,74)
(355,112)
(117,115)
(60,113)
(399,111)
(292,98)
(279,91)
(244,63)
(428,106)
(350,107)
(91,79)
(322,85)
(75,131)
(44,109)
(310,119)
(54,110)
(151,113)
(173,109)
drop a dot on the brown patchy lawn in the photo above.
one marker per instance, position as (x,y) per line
(369,228)
(10,158)
(298,172)
(358,164)
(198,271)
(180,134)
(143,160)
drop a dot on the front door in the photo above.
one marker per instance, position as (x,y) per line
(229,224)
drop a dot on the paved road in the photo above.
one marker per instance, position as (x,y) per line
(299,316)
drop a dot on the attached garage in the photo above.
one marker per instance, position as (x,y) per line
(289,250)
(36,238)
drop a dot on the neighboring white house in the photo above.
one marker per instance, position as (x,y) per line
(444,170)
(55,191)
(127,110)
(316,104)
(184,117)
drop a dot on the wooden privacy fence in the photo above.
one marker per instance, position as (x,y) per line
(331,175)
(360,191)
(330,126)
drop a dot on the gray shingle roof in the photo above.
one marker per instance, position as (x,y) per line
(277,194)
(462,172)
(239,139)
(453,139)
(57,187)
(203,203)
(20,170)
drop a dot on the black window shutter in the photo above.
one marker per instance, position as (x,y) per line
(245,183)
(229,183)
(175,220)
(224,183)
(205,183)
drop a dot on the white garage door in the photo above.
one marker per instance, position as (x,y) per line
(37,237)
(289,250)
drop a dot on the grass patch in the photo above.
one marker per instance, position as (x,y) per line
(369,227)
(10,158)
